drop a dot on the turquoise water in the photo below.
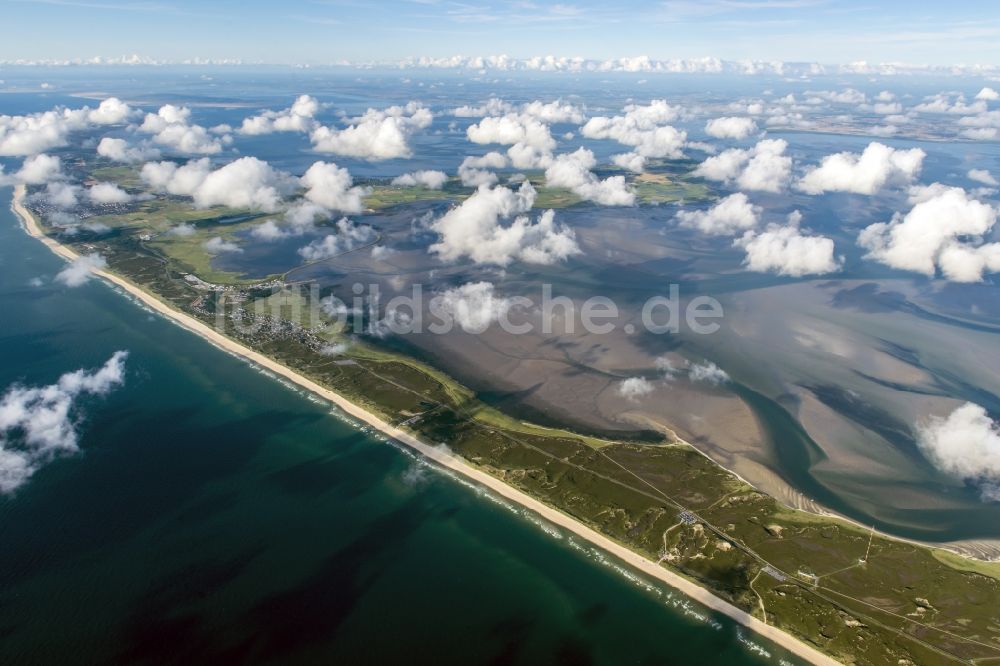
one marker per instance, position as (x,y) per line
(215,515)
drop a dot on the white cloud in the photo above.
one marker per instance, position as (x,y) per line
(523,156)
(473,170)
(950,104)
(634,388)
(171,126)
(299,219)
(80,269)
(573,171)
(730,127)
(492,107)
(472,229)
(61,195)
(988,94)
(943,230)
(299,117)
(38,425)
(729,216)
(220,245)
(182,230)
(707,372)
(982,176)
(39,169)
(375,135)
(111,111)
(331,186)
(965,444)
(554,112)
(118,150)
(630,161)
(108,193)
(382,252)
(512,129)
(846,96)
(244,183)
(473,306)
(764,167)
(643,128)
(38,132)
(432,180)
(876,167)
(349,236)
(785,250)
(547,112)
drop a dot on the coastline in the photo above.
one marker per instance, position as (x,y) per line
(438,455)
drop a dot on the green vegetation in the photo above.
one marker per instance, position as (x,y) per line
(658,188)
(860,597)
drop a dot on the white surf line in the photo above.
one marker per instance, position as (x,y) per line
(440,454)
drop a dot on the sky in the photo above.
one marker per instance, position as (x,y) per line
(328,31)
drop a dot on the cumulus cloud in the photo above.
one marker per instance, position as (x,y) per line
(298,220)
(38,425)
(554,112)
(943,230)
(573,171)
(171,126)
(982,176)
(220,245)
(473,229)
(988,95)
(474,171)
(244,183)
(707,372)
(634,388)
(119,150)
(299,117)
(432,180)
(764,167)
(108,193)
(729,216)
(332,187)
(530,139)
(382,252)
(630,161)
(81,269)
(643,128)
(182,230)
(877,167)
(846,96)
(950,104)
(547,112)
(39,169)
(111,111)
(349,236)
(731,127)
(528,126)
(965,444)
(375,135)
(473,306)
(35,133)
(494,106)
(61,195)
(786,250)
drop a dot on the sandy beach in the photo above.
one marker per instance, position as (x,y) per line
(438,454)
